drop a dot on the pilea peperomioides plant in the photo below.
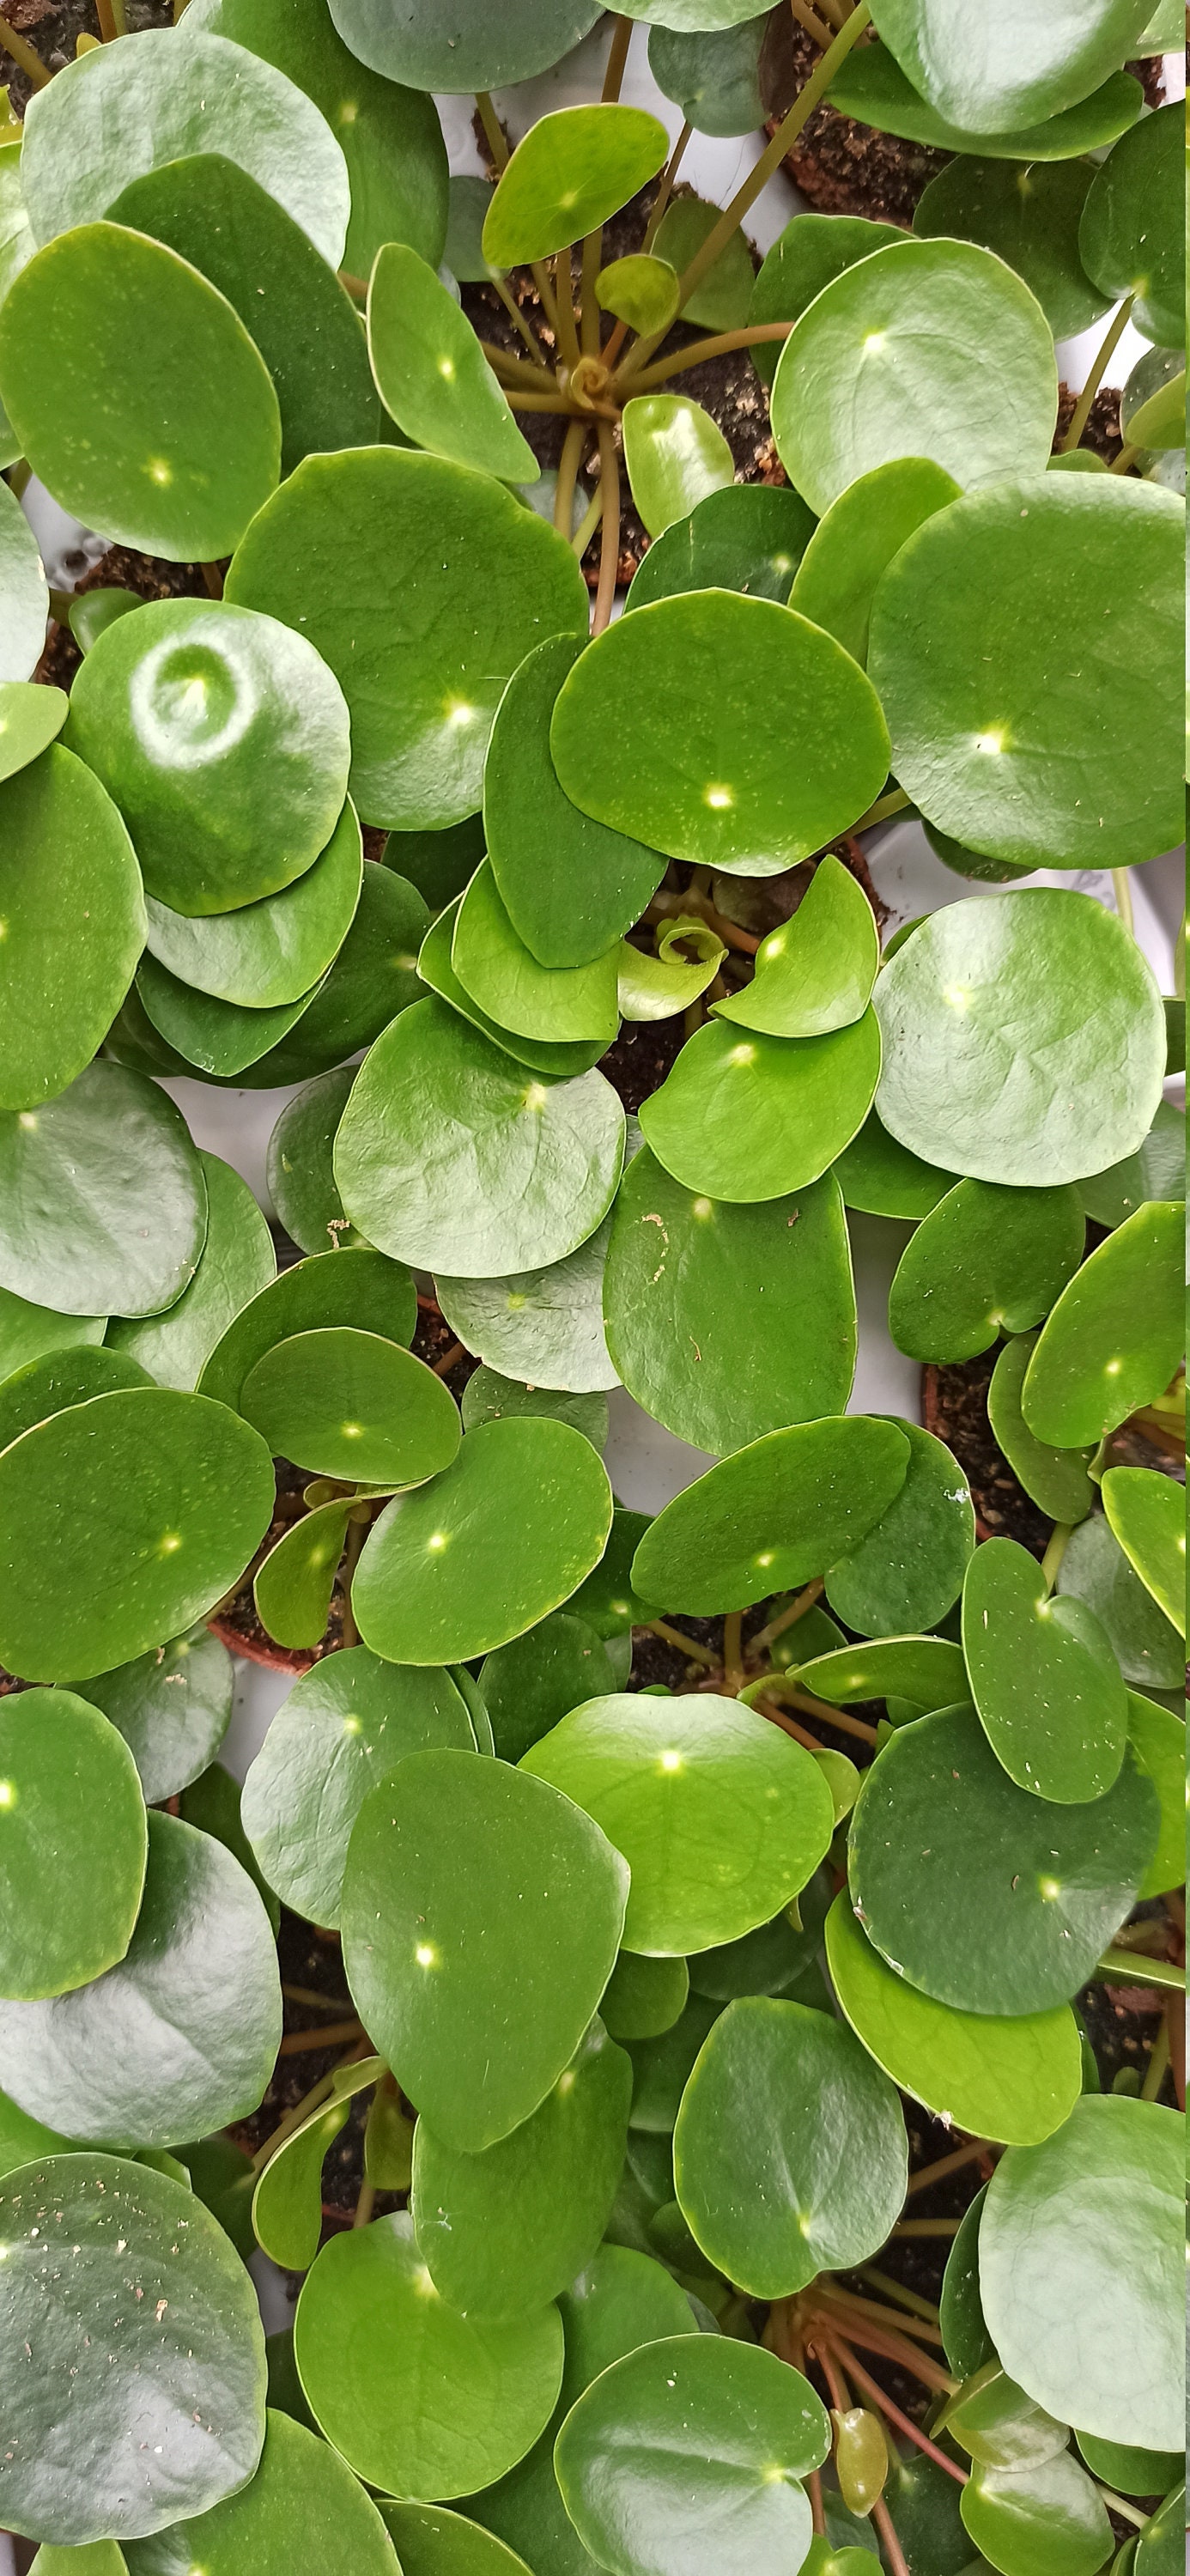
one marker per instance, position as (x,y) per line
(690,1998)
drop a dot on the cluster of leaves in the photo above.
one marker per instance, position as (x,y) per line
(640,1975)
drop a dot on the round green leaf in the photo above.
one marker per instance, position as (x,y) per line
(966,2340)
(481,1918)
(673,1783)
(719,302)
(749,1117)
(1155,1171)
(675,455)
(119,116)
(510,986)
(985,1261)
(345,1725)
(73,928)
(224,740)
(1153,403)
(1160,2547)
(686,2458)
(466,48)
(1029,215)
(121,1522)
(776,1513)
(63,1378)
(217,216)
(676,724)
(292,1589)
(663,2068)
(541,1055)
(727,1321)
(287,2200)
(436,2543)
(303,2501)
(503,2232)
(237,1261)
(1019,68)
(1131,235)
(537,1679)
(1146,1646)
(433,377)
(487,1397)
(70,1902)
(452,1157)
(572,886)
(909,1568)
(95,2558)
(1129,2471)
(102,1197)
(359,1287)
(187,2355)
(90,418)
(658,987)
(31,717)
(924,349)
(816,972)
(1022,1035)
(714,77)
(870,85)
(1147,1515)
(790,2154)
(1080,2204)
(1011,2077)
(373,977)
(883,1178)
(970,623)
(1114,1339)
(416,2397)
(181,2035)
(502,1536)
(856,541)
(927,1670)
(573,170)
(390,137)
(217,1038)
(29,1333)
(172,1706)
(1047,2519)
(982,1895)
(1056,1479)
(547,1324)
(811,251)
(349,1404)
(645,1996)
(748,537)
(1158,1739)
(640,290)
(421,650)
(24,594)
(275,950)
(299,1171)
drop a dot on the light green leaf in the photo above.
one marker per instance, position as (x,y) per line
(433,378)
(675,455)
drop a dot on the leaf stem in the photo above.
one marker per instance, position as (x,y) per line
(563,283)
(309,2102)
(733,1659)
(1126,459)
(927,2227)
(568,465)
(897,2290)
(904,2423)
(661,200)
(890,2344)
(780,1686)
(518,371)
(698,1654)
(895,802)
(1059,1541)
(889,2319)
(898,2564)
(1123,1967)
(365,2204)
(789,1725)
(790,127)
(1127,2512)
(493,129)
(523,325)
(1122,887)
(958,2157)
(302,2043)
(22,55)
(1158,2062)
(698,351)
(609,544)
(1082,408)
(616,60)
(807,18)
(795,1609)
(586,529)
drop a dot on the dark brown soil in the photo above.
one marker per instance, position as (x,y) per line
(954,1407)
(121,568)
(53,28)
(840,166)
(1102,432)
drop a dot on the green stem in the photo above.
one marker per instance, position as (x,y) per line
(528,335)
(23,56)
(896,802)
(698,351)
(1127,2512)
(1122,884)
(745,197)
(586,530)
(609,544)
(1059,1541)
(1126,459)
(1133,1968)
(493,130)
(1082,408)
(1158,2062)
(616,60)
(665,191)
(568,465)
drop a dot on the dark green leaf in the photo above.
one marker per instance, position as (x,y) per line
(273,951)
(749,537)
(73,929)
(1114,1339)
(303,2500)
(299,1170)
(237,1263)
(172,1706)
(776,1513)
(352,1405)
(1024,67)
(870,85)
(359,1287)
(1056,1479)
(1131,235)
(746,1117)
(1095,1569)
(909,1568)
(865,526)
(1030,217)
(534,1681)
(70,1901)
